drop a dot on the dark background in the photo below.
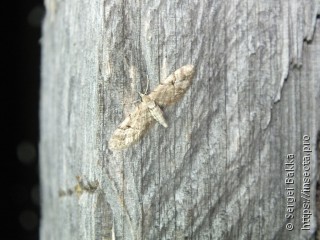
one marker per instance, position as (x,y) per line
(20,82)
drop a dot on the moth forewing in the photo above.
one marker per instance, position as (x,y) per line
(172,88)
(132,128)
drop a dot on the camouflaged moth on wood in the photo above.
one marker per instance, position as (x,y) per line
(169,91)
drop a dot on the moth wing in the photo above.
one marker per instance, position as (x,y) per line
(171,89)
(132,128)
(163,95)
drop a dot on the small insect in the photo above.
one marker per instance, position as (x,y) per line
(169,91)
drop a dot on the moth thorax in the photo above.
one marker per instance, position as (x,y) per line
(147,100)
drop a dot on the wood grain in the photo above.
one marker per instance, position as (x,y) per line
(218,170)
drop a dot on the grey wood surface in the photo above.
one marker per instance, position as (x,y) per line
(219,170)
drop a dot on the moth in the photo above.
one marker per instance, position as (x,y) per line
(168,92)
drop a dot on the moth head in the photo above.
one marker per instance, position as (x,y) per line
(147,100)
(143,96)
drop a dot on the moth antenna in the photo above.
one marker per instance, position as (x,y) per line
(145,93)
